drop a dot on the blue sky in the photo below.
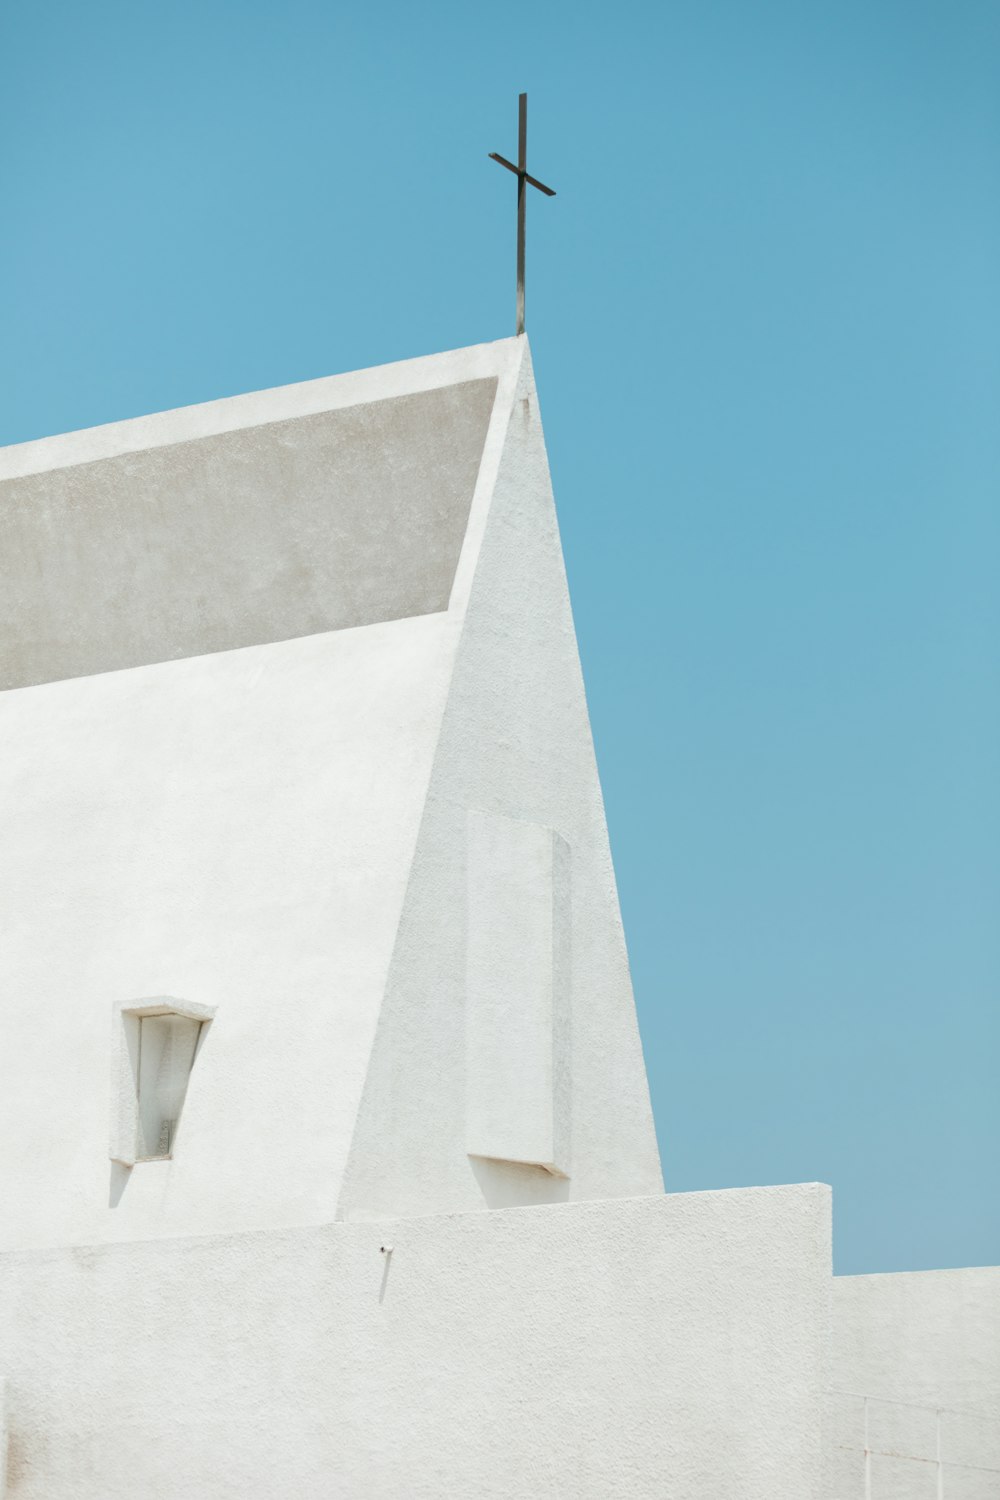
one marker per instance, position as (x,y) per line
(765,314)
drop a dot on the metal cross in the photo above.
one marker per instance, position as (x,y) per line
(523,175)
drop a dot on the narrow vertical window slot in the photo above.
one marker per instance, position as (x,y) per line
(156,1044)
(167,1046)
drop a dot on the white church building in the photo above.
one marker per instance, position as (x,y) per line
(328,1167)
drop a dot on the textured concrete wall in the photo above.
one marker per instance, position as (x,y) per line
(321,521)
(279,832)
(236,831)
(923,1336)
(642,1348)
(915,1366)
(518,992)
(515,742)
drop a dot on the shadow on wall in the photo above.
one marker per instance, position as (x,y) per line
(510,1184)
(120,1175)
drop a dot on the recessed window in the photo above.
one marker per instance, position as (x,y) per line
(167,1045)
(157,1042)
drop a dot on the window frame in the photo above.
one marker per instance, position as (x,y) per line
(127,1016)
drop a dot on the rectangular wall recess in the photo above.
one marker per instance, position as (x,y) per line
(517,992)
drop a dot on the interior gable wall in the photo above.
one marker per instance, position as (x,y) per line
(320,522)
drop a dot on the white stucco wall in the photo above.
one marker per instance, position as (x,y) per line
(242,522)
(642,1348)
(278,832)
(515,742)
(233,828)
(236,831)
(915,1365)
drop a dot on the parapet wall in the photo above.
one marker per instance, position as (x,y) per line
(914,1407)
(637,1348)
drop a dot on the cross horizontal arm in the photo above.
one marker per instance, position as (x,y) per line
(495,156)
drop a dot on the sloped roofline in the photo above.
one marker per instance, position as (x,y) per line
(280,403)
(334,503)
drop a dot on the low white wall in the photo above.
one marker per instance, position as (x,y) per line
(667,1346)
(915,1377)
(921,1336)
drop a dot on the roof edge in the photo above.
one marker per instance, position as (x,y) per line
(254,408)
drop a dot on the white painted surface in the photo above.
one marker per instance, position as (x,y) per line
(278,831)
(3,1438)
(515,741)
(279,834)
(282,403)
(341,518)
(921,1336)
(915,1365)
(515,970)
(235,829)
(643,1348)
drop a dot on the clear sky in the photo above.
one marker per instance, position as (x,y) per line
(765,314)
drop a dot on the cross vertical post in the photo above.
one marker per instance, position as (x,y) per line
(522,200)
(523,178)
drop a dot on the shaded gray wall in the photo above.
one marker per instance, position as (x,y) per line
(286,529)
